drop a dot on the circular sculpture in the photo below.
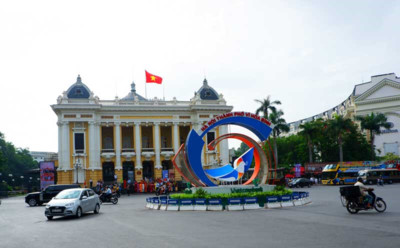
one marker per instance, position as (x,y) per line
(187,161)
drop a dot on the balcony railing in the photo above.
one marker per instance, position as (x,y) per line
(128,150)
(79,151)
(147,149)
(167,149)
(107,150)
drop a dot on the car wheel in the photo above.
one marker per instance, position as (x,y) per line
(97,209)
(49,217)
(32,202)
(79,212)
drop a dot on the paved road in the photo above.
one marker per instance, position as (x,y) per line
(324,223)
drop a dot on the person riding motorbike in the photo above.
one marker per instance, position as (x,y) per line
(365,191)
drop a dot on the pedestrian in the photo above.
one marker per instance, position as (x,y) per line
(115,178)
(90,183)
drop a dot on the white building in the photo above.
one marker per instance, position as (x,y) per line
(132,137)
(380,95)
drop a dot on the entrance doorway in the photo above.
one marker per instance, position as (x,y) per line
(148,170)
(108,172)
(167,169)
(128,171)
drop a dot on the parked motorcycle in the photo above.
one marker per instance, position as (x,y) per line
(108,198)
(354,202)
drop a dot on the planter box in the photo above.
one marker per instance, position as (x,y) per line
(215,205)
(234,204)
(273,202)
(251,203)
(173,205)
(186,205)
(200,204)
(286,201)
(156,204)
(164,204)
(148,202)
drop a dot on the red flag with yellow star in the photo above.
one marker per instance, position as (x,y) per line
(150,78)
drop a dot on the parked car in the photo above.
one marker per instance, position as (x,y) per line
(38,198)
(73,202)
(300,182)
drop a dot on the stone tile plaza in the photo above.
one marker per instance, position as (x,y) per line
(192,123)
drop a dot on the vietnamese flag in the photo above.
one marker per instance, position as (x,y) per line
(150,78)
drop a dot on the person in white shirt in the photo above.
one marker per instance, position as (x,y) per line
(364,190)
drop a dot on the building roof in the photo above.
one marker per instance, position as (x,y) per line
(206,92)
(133,95)
(78,90)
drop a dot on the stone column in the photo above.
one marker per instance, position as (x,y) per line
(92,148)
(60,146)
(138,146)
(97,137)
(66,164)
(157,148)
(118,165)
(176,137)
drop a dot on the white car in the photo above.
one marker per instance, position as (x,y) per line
(73,202)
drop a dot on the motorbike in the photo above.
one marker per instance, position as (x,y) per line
(354,202)
(162,190)
(108,198)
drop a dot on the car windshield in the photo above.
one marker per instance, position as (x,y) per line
(68,194)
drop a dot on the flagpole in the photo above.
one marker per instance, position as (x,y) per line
(145,89)
(163,95)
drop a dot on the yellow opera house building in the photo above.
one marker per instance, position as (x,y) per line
(132,137)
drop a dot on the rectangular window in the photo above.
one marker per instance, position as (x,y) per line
(107,134)
(210,137)
(79,143)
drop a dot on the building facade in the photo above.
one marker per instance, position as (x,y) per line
(132,137)
(380,95)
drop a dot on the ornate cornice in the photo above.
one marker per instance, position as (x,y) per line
(378,100)
(376,87)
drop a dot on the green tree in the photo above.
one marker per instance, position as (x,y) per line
(310,131)
(390,157)
(266,105)
(337,127)
(373,123)
(241,149)
(275,117)
(15,161)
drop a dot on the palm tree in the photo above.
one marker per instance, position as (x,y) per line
(279,126)
(338,126)
(309,131)
(266,105)
(373,123)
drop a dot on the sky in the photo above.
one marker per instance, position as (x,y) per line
(306,54)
